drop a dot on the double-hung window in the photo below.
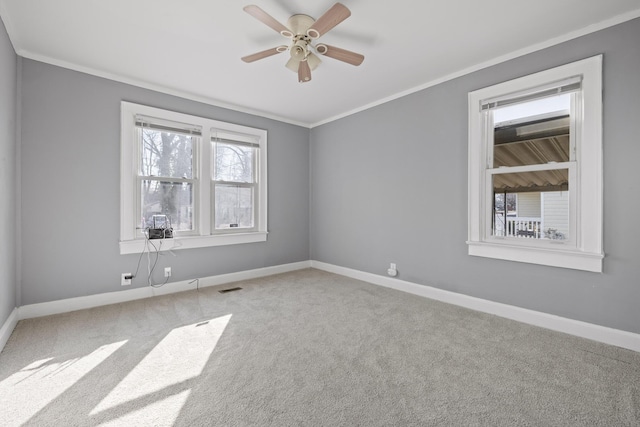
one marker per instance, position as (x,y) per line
(165,177)
(234,183)
(205,177)
(535,168)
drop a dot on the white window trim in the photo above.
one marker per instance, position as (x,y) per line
(586,254)
(239,140)
(130,241)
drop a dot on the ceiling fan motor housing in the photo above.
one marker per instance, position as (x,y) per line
(299,24)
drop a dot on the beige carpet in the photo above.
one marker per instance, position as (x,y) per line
(307,348)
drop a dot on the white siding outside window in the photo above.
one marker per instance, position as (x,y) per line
(529,205)
(554,214)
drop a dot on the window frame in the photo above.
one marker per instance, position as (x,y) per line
(583,250)
(131,239)
(180,128)
(238,140)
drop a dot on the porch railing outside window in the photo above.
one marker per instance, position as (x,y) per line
(527,227)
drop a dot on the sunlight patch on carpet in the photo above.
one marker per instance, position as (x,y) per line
(165,371)
(163,412)
(50,377)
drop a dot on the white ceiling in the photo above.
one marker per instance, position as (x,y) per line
(192,48)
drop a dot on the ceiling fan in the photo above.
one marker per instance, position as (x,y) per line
(302,30)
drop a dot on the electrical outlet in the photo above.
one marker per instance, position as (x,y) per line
(126,279)
(392,271)
(167,272)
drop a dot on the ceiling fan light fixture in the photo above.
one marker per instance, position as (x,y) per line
(313,61)
(292,64)
(299,50)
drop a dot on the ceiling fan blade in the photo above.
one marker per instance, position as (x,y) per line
(340,54)
(304,72)
(264,54)
(267,19)
(330,19)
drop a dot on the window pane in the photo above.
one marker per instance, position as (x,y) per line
(233,162)
(537,205)
(166,154)
(531,133)
(233,206)
(167,198)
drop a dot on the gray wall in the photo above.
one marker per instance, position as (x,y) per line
(71,183)
(389,184)
(8,96)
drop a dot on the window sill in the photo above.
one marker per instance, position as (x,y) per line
(574,259)
(192,242)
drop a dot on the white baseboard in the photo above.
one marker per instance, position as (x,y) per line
(602,334)
(90,301)
(578,328)
(8,327)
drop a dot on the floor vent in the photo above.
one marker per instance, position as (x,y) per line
(224,291)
